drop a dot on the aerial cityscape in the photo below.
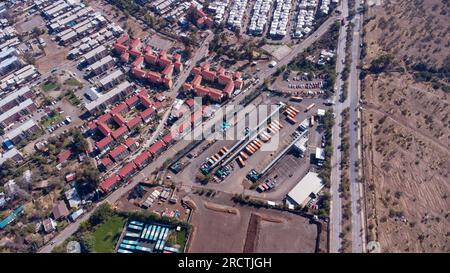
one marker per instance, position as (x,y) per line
(224,126)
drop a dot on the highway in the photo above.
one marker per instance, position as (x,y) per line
(114,196)
(336,201)
(357,222)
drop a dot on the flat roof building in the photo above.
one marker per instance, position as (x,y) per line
(307,188)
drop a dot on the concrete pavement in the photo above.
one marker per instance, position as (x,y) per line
(336,202)
(357,222)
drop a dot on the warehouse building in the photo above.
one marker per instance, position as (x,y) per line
(305,190)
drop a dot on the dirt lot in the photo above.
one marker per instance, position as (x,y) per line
(276,231)
(118,17)
(406,134)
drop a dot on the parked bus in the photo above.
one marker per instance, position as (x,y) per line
(253,146)
(312,121)
(291,120)
(277,123)
(215,158)
(248,150)
(223,150)
(226,149)
(259,142)
(310,107)
(263,137)
(240,162)
(293,109)
(254,142)
(289,112)
(243,155)
(272,127)
(275,126)
(296,99)
(266,135)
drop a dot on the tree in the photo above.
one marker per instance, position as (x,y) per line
(80,144)
(87,241)
(101,214)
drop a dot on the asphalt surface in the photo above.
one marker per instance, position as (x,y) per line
(114,196)
(357,223)
(336,202)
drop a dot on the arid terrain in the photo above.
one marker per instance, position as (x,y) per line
(406,133)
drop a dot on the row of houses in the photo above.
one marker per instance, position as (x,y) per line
(305,18)
(259,17)
(146,156)
(18,79)
(218,7)
(280,19)
(140,162)
(16,113)
(236,15)
(103,100)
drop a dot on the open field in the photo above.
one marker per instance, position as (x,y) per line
(406,134)
(275,231)
(107,234)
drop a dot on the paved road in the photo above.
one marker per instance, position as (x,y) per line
(357,222)
(336,202)
(114,196)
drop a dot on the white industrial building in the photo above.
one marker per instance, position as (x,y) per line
(305,190)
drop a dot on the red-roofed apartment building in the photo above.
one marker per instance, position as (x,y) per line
(107,184)
(119,153)
(142,159)
(127,171)
(168,63)
(157,148)
(228,81)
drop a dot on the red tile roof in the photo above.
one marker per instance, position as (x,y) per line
(127,169)
(119,132)
(104,117)
(119,119)
(168,138)
(108,183)
(104,128)
(106,161)
(64,155)
(157,147)
(141,158)
(122,39)
(134,122)
(119,108)
(104,142)
(130,142)
(146,113)
(131,101)
(117,151)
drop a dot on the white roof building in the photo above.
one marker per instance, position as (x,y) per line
(309,186)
